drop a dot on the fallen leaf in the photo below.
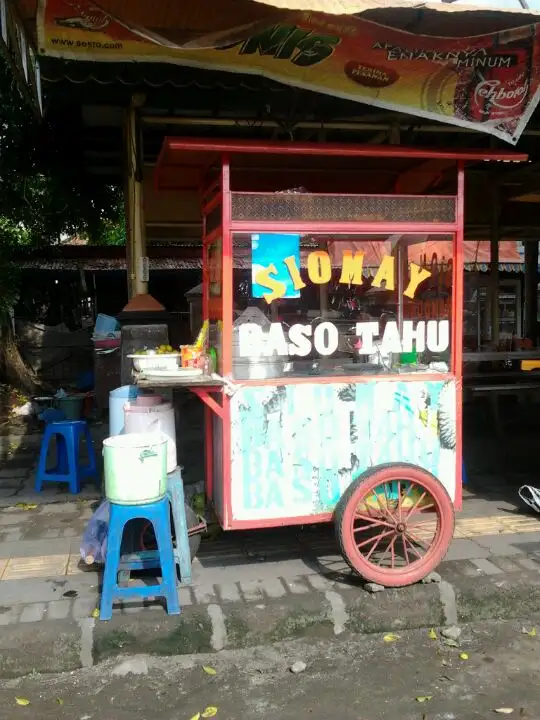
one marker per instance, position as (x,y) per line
(423,698)
(391,637)
(59,701)
(26,506)
(209,712)
(22,701)
(432,635)
(209,670)
(451,643)
(196,717)
(463,656)
(532,633)
(95,613)
(70,594)
(504,711)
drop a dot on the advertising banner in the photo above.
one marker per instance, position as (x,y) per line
(488,83)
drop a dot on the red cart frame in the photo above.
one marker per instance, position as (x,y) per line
(209,165)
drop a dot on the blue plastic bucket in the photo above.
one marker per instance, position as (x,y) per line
(117,399)
(105,324)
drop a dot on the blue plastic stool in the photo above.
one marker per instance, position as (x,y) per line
(158,513)
(148,559)
(68,434)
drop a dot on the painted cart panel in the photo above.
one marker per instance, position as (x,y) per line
(296,448)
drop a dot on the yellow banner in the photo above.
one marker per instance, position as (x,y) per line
(489,83)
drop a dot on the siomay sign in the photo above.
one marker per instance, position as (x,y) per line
(319,270)
(300,340)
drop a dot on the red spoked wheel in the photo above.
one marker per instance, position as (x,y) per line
(394,524)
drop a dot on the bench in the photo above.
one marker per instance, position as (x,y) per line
(494,392)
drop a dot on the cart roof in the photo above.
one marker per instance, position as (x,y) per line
(192,155)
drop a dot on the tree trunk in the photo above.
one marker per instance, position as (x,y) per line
(13,369)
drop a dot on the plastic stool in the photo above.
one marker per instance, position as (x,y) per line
(148,559)
(68,434)
(158,513)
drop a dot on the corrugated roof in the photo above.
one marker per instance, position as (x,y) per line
(103,265)
(177,264)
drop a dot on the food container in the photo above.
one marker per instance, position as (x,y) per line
(190,356)
(135,468)
(147,363)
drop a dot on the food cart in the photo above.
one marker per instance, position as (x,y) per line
(333,295)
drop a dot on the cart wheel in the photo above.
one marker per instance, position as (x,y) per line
(394,524)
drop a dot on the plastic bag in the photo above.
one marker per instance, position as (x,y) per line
(94,539)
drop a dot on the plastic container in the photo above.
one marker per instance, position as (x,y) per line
(163,361)
(190,355)
(135,468)
(408,358)
(117,399)
(105,324)
(153,419)
(71,406)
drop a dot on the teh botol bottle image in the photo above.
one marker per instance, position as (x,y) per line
(494,83)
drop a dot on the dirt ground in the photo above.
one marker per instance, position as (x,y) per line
(411,676)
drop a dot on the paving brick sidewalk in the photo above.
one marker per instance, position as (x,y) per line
(247,587)
(41,576)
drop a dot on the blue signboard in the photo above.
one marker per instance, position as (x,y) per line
(272,249)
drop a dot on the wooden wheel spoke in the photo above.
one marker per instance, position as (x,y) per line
(376,544)
(416,504)
(391,548)
(385,511)
(423,525)
(416,539)
(377,538)
(405,552)
(412,547)
(419,511)
(400,505)
(373,522)
(409,488)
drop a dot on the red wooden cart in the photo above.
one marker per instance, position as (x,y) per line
(333,289)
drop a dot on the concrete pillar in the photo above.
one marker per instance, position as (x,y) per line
(494,265)
(530,329)
(135,225)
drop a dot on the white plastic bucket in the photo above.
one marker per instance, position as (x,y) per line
(153,419)
(135,468)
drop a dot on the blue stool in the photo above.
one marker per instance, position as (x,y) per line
(158,513)
(68,434)
(148,559)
